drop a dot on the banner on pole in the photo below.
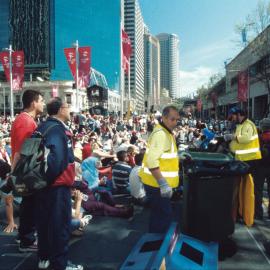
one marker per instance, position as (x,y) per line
(17,70)
(126,51)
(199,105)
(70,54)
(4,58)
(84,66)
(242,86)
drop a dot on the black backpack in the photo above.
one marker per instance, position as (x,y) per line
(28,175)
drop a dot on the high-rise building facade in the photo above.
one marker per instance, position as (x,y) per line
(169,63)
(134,27)
(43,28)
(4,26)
(152,71)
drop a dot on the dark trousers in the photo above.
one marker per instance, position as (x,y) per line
(160,210)
(255,167)
(104,207)
(54,225)
(27,226)
(262,175)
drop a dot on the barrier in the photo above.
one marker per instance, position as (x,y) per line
(148,248)
(192,254)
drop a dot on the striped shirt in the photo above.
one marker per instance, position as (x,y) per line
(120,175)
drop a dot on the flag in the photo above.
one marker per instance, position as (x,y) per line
(214,99)
(70,54)
(54,91)
(242,86)
(17,70)
(126,51)
(199,105)
(84,66)
(4,58)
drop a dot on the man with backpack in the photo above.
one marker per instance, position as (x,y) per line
(22,128)
(54,201)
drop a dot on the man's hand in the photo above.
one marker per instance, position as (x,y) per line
(11,227)
(78,196)
(165,189)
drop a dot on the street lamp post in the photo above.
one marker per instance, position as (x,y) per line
(76,44)
(11,83)
(9,49)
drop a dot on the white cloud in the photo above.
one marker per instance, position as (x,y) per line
(190,81)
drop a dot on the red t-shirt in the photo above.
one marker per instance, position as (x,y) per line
(22,128)
(86,151)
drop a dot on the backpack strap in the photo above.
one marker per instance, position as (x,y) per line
(48,129)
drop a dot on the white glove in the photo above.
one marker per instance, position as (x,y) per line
(165,189)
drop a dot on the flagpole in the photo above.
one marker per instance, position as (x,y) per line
(77,75)
(248,94)
(11,83)
(121,77)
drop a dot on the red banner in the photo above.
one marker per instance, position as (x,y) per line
(84,67)
(126,51)
(17,70)
(199,105)
(70,54)
(54,91)
(242,86)
(214,99)
(4,58)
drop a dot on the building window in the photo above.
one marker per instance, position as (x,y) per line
(68,98)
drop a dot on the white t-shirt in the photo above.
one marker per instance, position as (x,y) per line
(136,186)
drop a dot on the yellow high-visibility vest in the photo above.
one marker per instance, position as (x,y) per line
(168,162)
(250,150)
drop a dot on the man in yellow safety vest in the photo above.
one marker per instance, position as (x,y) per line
(246,147)
(160,170)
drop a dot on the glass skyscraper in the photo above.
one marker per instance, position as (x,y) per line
(93,23)
(4,27)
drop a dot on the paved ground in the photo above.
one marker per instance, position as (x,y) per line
(108,241)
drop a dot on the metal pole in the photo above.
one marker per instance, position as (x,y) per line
(4,92)
(77,74)
(248,93)
(11,87)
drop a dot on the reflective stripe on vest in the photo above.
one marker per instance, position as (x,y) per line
(251,150)
(165,174)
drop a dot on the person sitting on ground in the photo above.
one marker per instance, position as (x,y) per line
(99,153)
(131,154)
(78,222)
(5,169)
(90,173)
(102,205)
(120,173)
(136,186)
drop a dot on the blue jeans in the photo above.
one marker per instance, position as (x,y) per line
(160,210)
(75,224)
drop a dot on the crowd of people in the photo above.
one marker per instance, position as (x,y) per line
(92,158)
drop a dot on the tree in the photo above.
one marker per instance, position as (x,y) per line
(257,30)
(254,23)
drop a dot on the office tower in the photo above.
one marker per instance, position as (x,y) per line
(134,27)
(152,71)
(169,63)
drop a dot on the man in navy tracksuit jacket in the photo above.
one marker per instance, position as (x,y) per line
(54,202)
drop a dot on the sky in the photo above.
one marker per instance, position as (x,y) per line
(206,32)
